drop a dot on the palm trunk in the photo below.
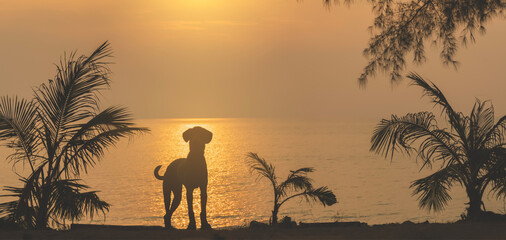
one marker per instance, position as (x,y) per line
(42,221)
(42,217)
(474,211)
(274,219)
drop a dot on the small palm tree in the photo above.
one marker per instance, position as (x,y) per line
(296,181)
(471,153)
(59,134)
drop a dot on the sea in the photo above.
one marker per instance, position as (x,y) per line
(369,187)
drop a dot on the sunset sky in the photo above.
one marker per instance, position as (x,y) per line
(247,58)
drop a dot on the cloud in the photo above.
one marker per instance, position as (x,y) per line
(201,25)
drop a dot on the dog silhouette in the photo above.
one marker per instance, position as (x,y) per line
(190,172)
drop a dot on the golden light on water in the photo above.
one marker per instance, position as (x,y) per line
(368,188)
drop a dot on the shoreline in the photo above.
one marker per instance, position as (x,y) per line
(339,230)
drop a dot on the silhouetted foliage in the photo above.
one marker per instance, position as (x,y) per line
(296,181)
(403,27)
(59,134)
(472,152)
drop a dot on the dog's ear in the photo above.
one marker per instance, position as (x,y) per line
(207,136)
(187,135)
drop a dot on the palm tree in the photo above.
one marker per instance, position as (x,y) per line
(296,181)
(60,134)
(471,153)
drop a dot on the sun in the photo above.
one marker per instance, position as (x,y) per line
(198,3)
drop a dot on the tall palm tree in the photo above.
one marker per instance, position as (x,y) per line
(471,153)
(60,134)
(296,181)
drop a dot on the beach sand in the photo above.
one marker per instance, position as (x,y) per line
(482,230)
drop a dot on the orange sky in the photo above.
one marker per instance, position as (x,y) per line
(226,58)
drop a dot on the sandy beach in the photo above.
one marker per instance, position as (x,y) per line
(408,230)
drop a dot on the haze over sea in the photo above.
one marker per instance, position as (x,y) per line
(368,187)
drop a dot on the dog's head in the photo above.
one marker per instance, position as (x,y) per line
(197,135)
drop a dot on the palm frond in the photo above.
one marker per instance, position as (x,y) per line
(72,95)
(262,168)
(296,180)
(12,212)
(23,210)
(322,195)
(495,169)
(433,189)
(69,202)
(18,127)
(401,133)
(499,187)
(438,98)
(481,121)
(29,194)
(304,170)
(84,153)
(8,209)
(496,135)
(111,117)
(90,139)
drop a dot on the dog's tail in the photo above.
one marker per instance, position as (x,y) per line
(157,175)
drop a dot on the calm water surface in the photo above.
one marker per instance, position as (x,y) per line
(368,188)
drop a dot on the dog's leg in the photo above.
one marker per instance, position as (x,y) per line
(168,214)
(189,199)
(203,213)
(177,190)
